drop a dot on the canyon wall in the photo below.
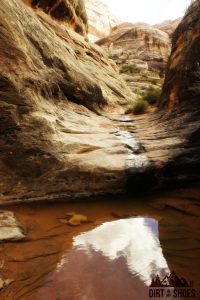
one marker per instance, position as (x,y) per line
(51,83)
(168,26)
(140,51)
(172,140)
(100,19)
(60,137)
(71,13)
(181,87)
(181,90)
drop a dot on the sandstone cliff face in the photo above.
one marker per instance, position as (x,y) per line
(181,90)
(70,12)
(141,51)
(168,26)
(100,19)
(182,77)
(172,141)
(54,89)
(51,80)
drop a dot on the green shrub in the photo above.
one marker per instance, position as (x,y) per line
(152,95)
(129,69)
(140,106)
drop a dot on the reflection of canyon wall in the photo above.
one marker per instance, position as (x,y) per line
(93,276)
(116,261)
(134,239)
(100,19)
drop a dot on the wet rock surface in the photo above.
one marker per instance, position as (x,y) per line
(74,219)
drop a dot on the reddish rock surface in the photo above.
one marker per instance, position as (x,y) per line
(141,51)
(70,12)
(56,89)
(52,81)
(168,26)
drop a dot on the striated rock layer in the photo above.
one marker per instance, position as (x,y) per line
(141,51)
(70,12)
(55,90)
(100,19)
(168,26)
(171,137)
(51,80)
(181,87)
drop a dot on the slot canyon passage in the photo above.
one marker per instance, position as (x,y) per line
(98,200)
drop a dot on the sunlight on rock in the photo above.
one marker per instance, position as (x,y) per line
(135,162)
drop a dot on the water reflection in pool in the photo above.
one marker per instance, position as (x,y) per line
(114,261)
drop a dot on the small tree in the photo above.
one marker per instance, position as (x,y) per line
(140,106)
(152,95)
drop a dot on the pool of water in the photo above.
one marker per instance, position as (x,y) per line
(127,244)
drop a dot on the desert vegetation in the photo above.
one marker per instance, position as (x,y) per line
(149,98)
